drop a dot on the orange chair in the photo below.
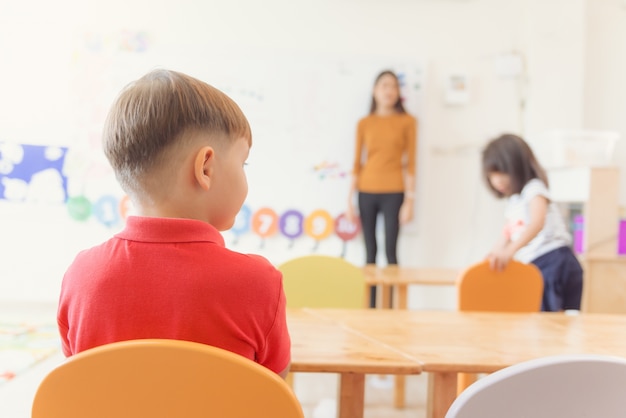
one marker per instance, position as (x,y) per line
(162,379)
(519,288)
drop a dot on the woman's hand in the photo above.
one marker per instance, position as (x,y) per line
(351,214)
(406,212)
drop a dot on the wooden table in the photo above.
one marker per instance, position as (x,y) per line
(449,342)
(319,344)
(395,279)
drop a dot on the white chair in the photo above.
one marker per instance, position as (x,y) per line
(574,386)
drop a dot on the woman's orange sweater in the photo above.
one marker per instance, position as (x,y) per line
(385,151)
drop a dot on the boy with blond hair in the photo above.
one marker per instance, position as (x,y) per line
(178,147)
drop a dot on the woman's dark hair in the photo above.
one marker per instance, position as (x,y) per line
(510,154)
(399,107)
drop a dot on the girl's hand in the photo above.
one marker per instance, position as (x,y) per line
(499,258)
(406,212)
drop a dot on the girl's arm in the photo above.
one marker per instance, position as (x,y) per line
(500,243)
(500,257)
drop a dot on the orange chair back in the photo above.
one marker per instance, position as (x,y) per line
(162,379)
(519,288)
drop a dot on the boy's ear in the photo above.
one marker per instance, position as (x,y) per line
(203,166)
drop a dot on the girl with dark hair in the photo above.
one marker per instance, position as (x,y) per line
(534,231)
(384,169)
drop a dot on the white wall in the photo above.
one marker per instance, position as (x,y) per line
(555,40)
(605,66)
(456,218)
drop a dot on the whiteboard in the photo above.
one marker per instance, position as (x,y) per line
(303,108)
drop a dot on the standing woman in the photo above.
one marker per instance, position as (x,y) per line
(384,169)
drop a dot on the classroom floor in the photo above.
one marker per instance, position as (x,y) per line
(316,391)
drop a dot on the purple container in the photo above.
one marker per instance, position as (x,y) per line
(621,237)
(579,227)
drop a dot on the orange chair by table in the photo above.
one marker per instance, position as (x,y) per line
(162,379)
(519,288)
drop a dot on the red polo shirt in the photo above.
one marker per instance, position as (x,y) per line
(174,278)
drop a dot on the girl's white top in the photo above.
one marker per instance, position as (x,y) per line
(554,233)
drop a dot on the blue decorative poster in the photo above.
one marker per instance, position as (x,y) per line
(32,173)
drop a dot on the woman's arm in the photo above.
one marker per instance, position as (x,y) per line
(351,213)
(406,210)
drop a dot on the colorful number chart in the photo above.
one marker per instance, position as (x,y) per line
(264,222)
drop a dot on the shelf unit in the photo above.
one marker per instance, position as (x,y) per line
(597,188)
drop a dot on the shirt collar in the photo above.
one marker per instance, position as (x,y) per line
(147,229)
